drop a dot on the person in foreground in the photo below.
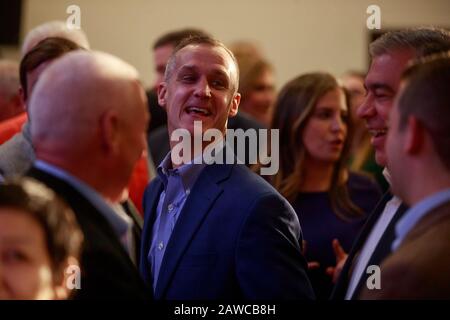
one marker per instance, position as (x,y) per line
(418,141)
(40,243)
(215,231)
(390,55)
(88,122)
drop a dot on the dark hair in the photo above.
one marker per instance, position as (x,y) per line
(62,233)
(426,96)
(46,50)
(422,41)
(175,37)
(293,109)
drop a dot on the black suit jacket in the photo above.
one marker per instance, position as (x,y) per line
(107,272)
(382,250)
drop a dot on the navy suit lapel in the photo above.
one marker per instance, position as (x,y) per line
(199,203)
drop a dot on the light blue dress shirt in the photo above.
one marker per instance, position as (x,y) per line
(414,214)
(177,186)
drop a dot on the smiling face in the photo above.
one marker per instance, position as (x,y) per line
(201,87)
(25,271)
(355,86)
(382,83)
(325,132)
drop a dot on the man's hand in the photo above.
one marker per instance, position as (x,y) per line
(341,257)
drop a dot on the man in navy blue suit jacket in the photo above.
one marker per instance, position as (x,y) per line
(215,231)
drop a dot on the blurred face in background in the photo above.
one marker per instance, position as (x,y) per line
(161,55)
(257,86)
(326,130)
(355,86)
(261,96)
(25,264)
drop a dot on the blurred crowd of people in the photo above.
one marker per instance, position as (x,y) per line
(92,206)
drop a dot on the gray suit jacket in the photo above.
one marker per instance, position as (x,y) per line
(17,154)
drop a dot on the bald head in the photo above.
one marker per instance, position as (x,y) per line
(88,113)
(74,91)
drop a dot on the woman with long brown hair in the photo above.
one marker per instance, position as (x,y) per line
(311,114)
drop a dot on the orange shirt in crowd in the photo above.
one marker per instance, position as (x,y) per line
(138,182)
(10,127)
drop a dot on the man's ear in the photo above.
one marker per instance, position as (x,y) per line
(162,94)
(234,105)
(415,136)
(109,131)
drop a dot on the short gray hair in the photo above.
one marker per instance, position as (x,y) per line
(422,41)
(198,40)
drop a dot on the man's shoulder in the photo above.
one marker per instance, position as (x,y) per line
(84,210)
(249,187)
(99,235)
(426,241)
(245,177)
(418,269)
(431,228)
(16,155)
(10,127)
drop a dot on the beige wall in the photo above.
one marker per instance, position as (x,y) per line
(296,35)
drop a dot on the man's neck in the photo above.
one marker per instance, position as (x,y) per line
(429,189)
(429,179)
(83,172)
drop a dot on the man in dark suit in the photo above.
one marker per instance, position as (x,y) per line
(88,121)
(418,142)
(215,231)
(390,55)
